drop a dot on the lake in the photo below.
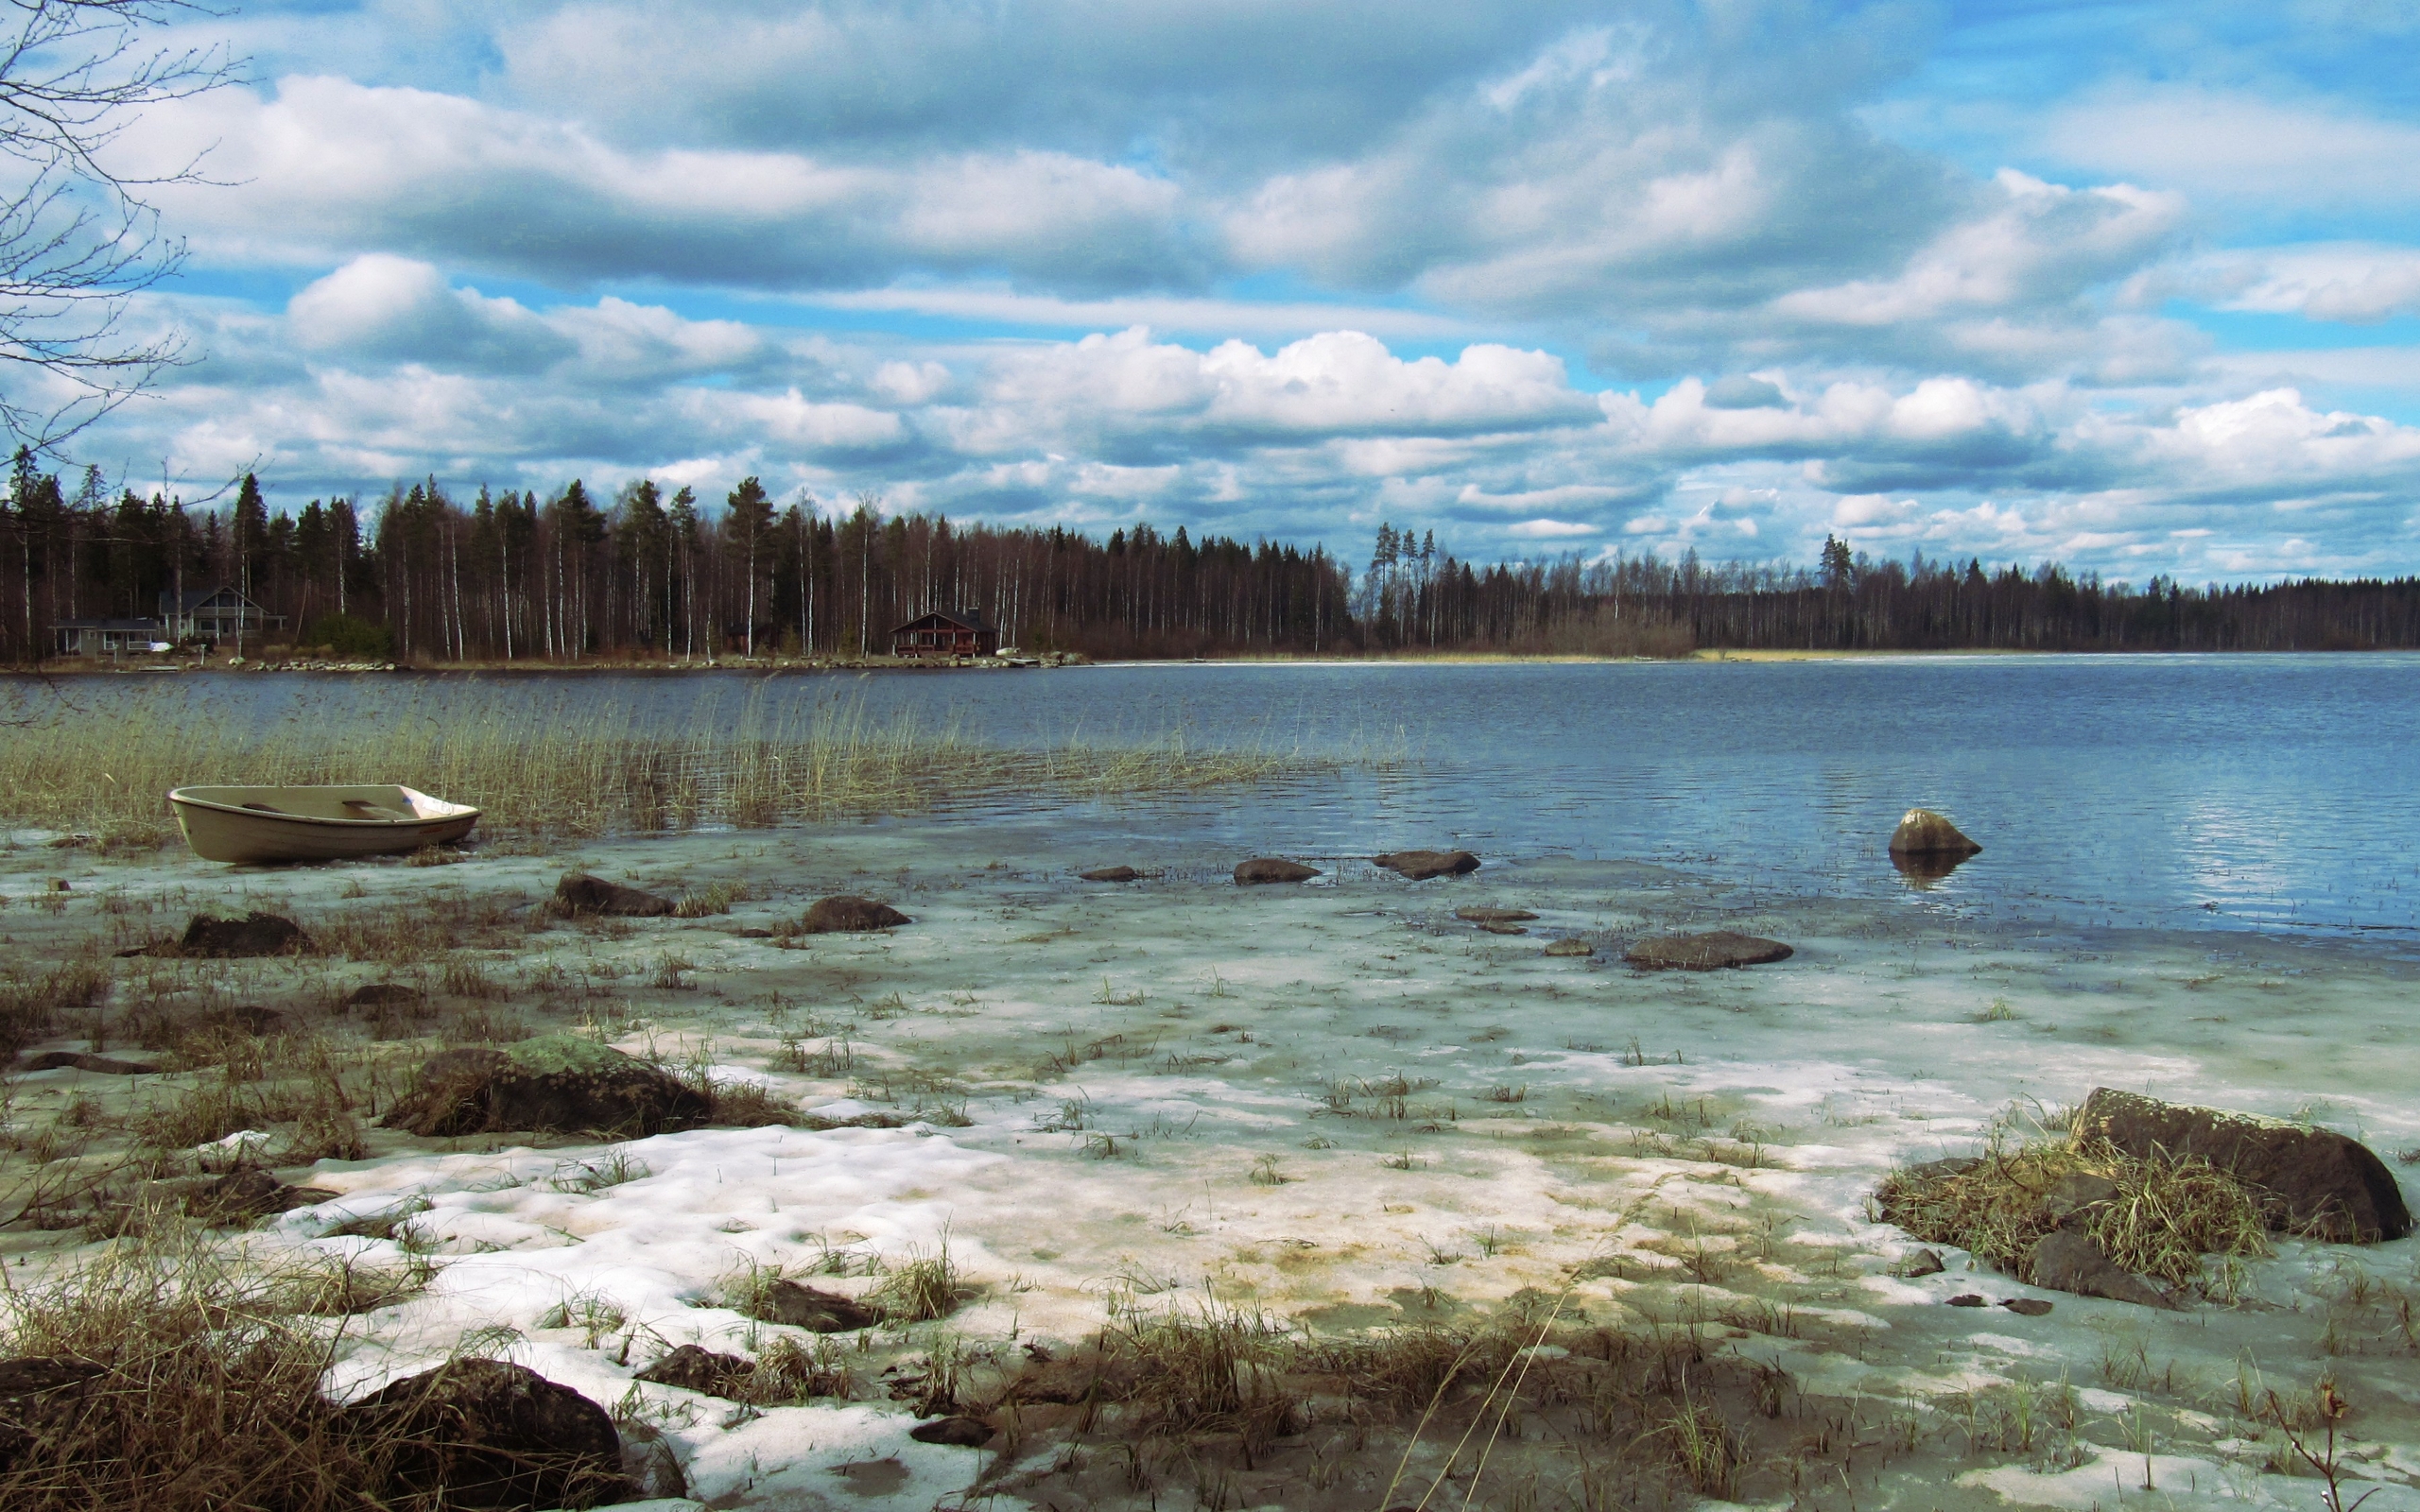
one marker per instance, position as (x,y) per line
(2272,791)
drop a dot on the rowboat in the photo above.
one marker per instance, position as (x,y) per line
(254,824)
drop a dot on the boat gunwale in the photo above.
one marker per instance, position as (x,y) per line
(464,811)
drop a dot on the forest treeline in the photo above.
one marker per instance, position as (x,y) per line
(431,576)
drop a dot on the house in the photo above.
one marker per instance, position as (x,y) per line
(216,615)
(943,633)
(107,637)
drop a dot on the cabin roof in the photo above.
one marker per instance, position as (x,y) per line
(965,619)
(195,597)
(104,625)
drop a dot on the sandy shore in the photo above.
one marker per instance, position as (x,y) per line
(1342,1104)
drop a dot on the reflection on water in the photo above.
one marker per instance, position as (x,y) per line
(1923,869)
(2271,791)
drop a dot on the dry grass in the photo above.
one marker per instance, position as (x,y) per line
(2168,1215)
(570,767)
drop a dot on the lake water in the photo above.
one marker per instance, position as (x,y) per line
(2270,792)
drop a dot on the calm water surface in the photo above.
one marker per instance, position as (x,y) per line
(2198,792)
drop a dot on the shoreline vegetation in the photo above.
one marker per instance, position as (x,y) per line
(542,770)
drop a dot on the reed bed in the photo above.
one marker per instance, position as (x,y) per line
(576,768)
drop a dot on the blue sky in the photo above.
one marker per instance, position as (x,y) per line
(2132,286)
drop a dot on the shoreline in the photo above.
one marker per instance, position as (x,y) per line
(1338,1104)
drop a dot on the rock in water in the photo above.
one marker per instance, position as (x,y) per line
(1571,945)
(1419,865)
(1922,832)
(231,939)
(491,1436)
(1110,874)
(558,1083)
(580,894)
(2064,1261)
(1477,915)
(1710,952)
(803,1307)
(851,915)
(2310,1180)
(695,1369)
(1274,868)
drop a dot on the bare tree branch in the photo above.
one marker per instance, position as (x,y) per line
(78,237)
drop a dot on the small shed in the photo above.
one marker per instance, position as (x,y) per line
(946,633)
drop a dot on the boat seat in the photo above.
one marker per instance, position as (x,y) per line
(263,808)
(363,809)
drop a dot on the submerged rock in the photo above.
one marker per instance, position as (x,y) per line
(1419,865)
(2311,1180)
(1711,951)
(558,1083)
(491,1436)
(579,894)
(695,1369)
(1272,869)
(803,1307)
(1922,832)
(1571,945)
(1479,914)
(848,914)
(1110,874)
(83,1060)
(2066,1261)
(254,934)
(384,995)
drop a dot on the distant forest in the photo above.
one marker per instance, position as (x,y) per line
(429,577)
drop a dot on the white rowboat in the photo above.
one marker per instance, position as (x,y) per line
(254,824)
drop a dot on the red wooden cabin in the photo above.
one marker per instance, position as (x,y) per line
(943,633)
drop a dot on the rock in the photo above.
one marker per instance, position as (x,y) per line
(579,894)
(248,1018)
(1571,945)
(2072,1198)
(41,1396)
(752,934)
(2027,1306)
(2066,1261)
(966,1433)
(695,1369)
(1272,869)
(650,1465)
(1922,832)
(1419,865)
(1922,1262)
(1477,914)
(1966,1300)
(232,938)
(81,1060)
(1110,874)
(557,1084)
(490,1434)
(239,1198)
(851,915)
(1709,951)
(384,995)
(2311,1180)
(803,1307)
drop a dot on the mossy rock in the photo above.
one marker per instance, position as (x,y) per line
(559,1084)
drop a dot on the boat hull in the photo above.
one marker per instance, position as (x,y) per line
(255,825)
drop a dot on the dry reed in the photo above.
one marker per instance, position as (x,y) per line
(587,767)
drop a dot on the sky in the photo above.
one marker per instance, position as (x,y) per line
(2134,286)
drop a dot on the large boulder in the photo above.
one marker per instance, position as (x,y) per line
(1419,865)
(1711,951)
(487,1435)
(2310,1180)
(1922,832)
(848,914)
(2066,1261)
(1272,869)
(559,1084)
(580,895)
(233,939)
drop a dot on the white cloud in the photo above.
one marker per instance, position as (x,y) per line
(2232,145)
